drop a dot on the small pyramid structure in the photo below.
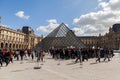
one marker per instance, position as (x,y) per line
(61,37)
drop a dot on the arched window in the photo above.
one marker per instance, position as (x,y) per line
(2,45)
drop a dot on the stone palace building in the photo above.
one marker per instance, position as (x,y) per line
(18,39)
(109,40)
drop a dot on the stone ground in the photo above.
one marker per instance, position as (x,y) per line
(67,70)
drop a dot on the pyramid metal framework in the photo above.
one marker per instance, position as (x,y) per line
(61,37)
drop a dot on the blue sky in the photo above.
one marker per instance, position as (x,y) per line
(44,15)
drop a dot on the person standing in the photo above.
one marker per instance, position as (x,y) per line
(79,56)
(11,56)
(42,55)
(98,55)
(1,57)
(84,54)
(32,54)
(16,54)
(21,54)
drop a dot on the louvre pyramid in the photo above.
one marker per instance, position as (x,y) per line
(61,37)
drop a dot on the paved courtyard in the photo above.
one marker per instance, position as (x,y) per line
(67,70)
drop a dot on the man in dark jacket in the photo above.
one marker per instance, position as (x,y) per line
(1,57)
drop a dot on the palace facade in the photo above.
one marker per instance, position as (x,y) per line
(18,39)
(109,40)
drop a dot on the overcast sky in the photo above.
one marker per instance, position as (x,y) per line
(85,17)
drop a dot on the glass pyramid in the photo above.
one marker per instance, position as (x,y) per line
(60,31)
(61,37)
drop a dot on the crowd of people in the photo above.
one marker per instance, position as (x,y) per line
(81,54)
(7,56)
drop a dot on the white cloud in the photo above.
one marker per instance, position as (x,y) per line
(22,15)
(53,21)
(52,24)
(48,28)
(94,23)
(99,0)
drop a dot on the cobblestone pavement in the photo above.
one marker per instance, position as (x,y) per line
(66,70)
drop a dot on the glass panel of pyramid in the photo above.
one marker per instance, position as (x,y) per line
(60,31)
(61,37)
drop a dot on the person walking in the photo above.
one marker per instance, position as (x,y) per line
(106,55)
(6,56)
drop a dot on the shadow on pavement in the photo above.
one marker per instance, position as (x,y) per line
(20,70)
(49,58)
(71,63)
(93,63)
(17,70)
(78,67)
